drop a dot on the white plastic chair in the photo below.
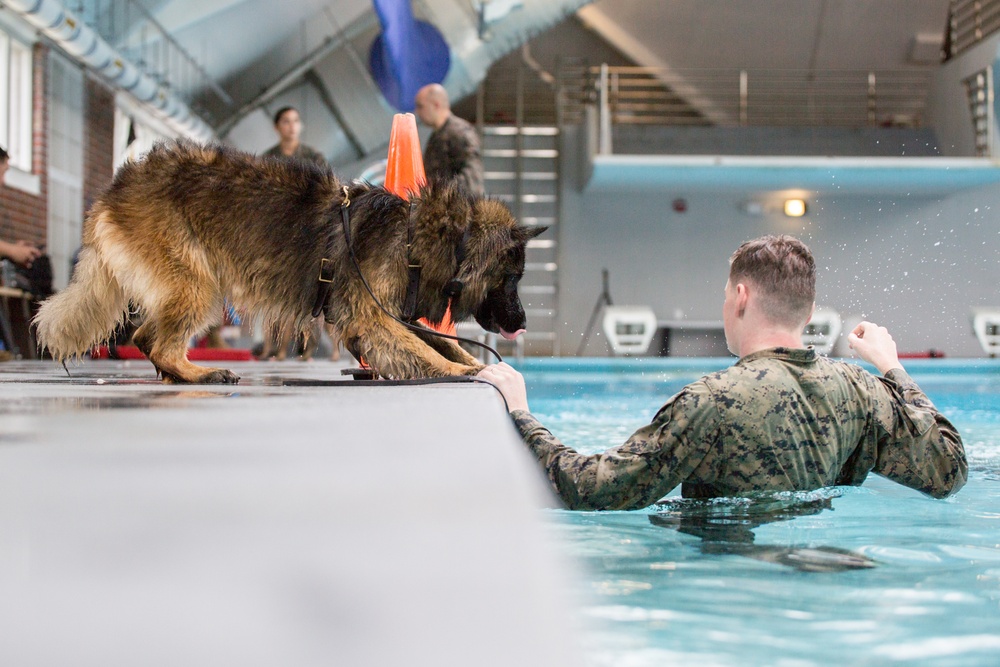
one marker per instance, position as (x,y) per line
(986,326)
(630,329)
(823,330)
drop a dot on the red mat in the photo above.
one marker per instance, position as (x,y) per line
(929,354)
(194,353)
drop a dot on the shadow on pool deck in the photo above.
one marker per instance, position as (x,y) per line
(270,522)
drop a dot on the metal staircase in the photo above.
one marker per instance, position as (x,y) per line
(521,166)
(979,89)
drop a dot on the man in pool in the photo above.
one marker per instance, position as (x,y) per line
(782,418)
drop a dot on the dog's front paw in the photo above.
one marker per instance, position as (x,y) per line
(219,376)
(473,369)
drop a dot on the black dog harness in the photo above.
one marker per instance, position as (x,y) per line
(326,266)
(452,289)
(412,270)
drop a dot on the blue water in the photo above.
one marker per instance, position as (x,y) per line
(870,575)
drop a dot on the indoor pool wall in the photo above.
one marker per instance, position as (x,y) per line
(870,575)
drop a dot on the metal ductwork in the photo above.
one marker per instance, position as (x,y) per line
(477,42)
(476,33)
(87,47)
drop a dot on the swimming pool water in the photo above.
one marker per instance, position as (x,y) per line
(870,575)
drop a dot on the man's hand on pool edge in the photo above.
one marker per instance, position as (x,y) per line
(509,382)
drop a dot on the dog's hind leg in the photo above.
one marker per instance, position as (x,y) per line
(172,319)
(164,338)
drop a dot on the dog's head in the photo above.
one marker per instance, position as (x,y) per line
(491,268)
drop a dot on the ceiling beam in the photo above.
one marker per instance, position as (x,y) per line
(297,72)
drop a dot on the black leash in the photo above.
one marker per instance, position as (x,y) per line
(452,379)
(346,222)
(412,270)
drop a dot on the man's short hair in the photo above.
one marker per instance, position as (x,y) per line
(3,155)
(782,268)
(281,112)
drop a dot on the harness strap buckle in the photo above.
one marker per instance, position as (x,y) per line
(325,270)
(412,287)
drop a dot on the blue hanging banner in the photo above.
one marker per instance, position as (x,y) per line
(407,55)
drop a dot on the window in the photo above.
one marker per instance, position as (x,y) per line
(16,100)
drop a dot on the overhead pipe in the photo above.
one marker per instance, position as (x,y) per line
(500,27)
(86,46)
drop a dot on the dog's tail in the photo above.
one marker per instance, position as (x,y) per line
(85,313)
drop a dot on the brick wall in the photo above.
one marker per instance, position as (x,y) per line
(98,149)
(24,215)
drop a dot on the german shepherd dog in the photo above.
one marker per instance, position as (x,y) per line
(190,226)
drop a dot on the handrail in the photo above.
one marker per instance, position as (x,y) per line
(129,27)
(979,90)
(969,22)
(724,97)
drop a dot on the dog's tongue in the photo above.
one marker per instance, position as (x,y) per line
(511,336)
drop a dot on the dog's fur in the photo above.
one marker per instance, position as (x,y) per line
(189,226)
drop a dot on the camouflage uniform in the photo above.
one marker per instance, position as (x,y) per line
(778,420)
(303,152)
(452,153)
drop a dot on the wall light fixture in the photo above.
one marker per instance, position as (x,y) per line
(795,208)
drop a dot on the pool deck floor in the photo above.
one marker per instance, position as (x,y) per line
(292,519)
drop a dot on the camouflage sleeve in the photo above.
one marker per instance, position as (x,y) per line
(918,447)
(653,461)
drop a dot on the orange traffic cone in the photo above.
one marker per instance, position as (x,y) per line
(404,170)
(404,176)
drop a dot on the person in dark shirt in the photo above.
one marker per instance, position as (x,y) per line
(452,153)
(288,125)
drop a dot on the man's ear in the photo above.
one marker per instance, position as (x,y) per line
(812,311)
(742,297)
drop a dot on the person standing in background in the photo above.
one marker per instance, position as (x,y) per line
(288,125)
(452,153)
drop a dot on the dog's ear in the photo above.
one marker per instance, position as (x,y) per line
(528,233)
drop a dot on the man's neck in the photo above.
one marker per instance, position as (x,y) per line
(767,339)
(444,119)
(289,146)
